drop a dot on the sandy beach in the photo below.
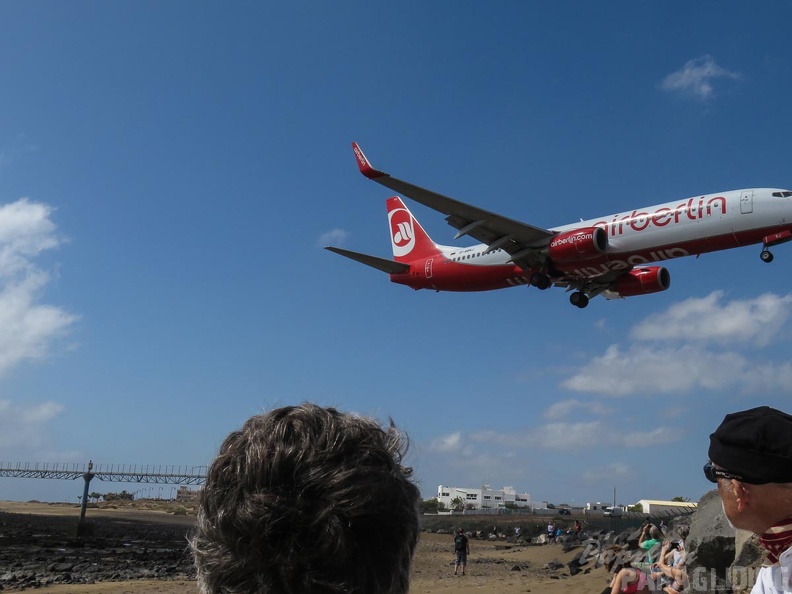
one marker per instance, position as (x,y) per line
(493,567)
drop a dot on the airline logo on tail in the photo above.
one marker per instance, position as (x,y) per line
(402,231)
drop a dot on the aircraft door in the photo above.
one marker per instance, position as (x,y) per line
(746,202)
(428,267)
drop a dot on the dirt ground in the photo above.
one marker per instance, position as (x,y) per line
(491,568)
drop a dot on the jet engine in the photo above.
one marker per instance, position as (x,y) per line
(642,281)
(579,245)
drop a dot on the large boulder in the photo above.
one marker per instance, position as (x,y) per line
(710,547)
(748,558)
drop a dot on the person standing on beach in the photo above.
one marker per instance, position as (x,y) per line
(750,459)
(307,499)
(551,533)
(461,550)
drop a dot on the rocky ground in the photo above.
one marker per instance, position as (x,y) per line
(142,549)
(139,551)
(39,550)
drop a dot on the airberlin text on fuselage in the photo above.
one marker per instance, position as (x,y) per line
(639,221)
(693,209)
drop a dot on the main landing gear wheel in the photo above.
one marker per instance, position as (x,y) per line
(766,256)
(579,299)
(540,281)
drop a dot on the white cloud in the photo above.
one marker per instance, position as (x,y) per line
(768,378)
(567,436)
(25,231)
(27,327)
(655,437)
(642,370)
(756,320)
(564,408)
(608,472)
(447,443)
(26,428)
(571,436)
(332,237)
(561,409)
(696,78)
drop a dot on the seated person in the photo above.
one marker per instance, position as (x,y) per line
(650,536)
(677,574)
(682,532)
(627,579)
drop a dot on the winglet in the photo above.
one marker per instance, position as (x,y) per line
(363,164)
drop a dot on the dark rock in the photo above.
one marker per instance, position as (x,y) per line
(118,550)
(710,546)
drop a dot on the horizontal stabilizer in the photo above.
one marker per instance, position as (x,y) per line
(388,266)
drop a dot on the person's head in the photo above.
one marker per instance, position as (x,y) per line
(654,532)
(751,461)
(683,531)
(461,531)
(307,499)
(615,559)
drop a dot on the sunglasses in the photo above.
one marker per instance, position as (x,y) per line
(713,474)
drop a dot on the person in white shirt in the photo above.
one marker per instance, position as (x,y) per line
(751,461)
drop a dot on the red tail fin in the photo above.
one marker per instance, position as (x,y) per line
(408,239)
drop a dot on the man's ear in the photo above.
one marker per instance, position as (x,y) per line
(741,493)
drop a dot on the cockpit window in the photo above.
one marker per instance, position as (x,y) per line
(784,194)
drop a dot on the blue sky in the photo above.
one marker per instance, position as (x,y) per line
(169,173)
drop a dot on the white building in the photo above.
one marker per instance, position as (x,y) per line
(653,506)
(187,495)
(483,498)
(595,509)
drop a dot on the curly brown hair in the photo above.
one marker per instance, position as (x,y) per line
(306,499)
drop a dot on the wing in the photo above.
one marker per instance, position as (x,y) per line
(522,241)
(388,266)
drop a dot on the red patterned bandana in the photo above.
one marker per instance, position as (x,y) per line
(777,540)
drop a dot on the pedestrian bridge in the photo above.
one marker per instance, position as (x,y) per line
(120,473)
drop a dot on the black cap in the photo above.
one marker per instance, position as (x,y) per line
(755,444)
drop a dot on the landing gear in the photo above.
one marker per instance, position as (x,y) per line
(766,256)
(579,299)
(540,281)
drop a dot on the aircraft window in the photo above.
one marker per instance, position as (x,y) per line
(785,194)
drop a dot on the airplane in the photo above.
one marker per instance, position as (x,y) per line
(614,256)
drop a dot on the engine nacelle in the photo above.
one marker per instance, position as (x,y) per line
(579,245)
(642,281)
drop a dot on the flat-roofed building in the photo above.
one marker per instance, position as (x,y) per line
(482,498)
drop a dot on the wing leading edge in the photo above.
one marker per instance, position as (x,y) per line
(521,241)
(382,264)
